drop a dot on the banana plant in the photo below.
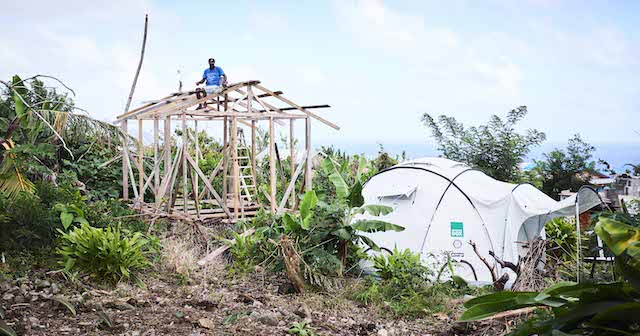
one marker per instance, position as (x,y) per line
(32,115)
(348,231)
(586,308)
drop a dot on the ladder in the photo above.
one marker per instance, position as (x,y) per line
(248,188)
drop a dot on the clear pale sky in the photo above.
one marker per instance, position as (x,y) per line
(380,64)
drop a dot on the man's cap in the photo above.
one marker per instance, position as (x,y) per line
(212,59)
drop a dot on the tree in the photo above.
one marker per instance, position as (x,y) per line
(495,148)
(566,169)
(39,130)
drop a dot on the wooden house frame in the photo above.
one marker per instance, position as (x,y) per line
(238,105)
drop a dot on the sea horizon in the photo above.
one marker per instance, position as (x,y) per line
(616,154)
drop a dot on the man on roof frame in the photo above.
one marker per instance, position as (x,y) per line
(216,79)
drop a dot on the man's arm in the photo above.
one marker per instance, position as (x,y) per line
(224,80)
(204,78)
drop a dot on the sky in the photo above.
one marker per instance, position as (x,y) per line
(379,64)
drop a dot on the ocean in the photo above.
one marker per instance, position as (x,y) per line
(617,154)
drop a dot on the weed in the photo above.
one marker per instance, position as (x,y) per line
(301,328)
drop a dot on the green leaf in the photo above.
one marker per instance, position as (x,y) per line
(342,233)
(493,304)
(362,165)
(342,189)
(81,220)
(355,196)
(65,303)
(617,235)
(375,210)
(290,223)
(370,243)
(620,313)
(60,207)
(18,95)
(308,202)
(6,330)
(368,225)
(460,282)
(67,219)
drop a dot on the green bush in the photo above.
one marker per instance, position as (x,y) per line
(27,223)
(114,212)
(105,253)
(404,286)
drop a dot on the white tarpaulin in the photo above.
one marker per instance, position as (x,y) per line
(444,204)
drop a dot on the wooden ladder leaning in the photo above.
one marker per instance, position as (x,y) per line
(247,180)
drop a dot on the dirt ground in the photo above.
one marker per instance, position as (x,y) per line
(252,305)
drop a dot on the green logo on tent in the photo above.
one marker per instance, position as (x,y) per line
(457,229)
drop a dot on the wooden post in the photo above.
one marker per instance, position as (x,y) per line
(235,180)
(156,131)
(125,167)
(225,158)
(140,162)
(253,152)
(195,183)
(272,165)
(167,146)
(292,154)
(184,161)
(307,172)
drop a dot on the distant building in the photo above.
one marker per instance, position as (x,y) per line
(612,189)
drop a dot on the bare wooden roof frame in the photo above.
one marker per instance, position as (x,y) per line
(246,103)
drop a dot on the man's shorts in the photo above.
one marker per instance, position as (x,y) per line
(212,89)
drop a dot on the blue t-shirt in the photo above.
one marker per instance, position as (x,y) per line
(213,76)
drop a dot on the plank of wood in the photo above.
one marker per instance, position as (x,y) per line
(292,154)
(272,165)
(208,185)
(307,172)
(292,184)
(313,115)
(214,173)
(219,251)
(125,169)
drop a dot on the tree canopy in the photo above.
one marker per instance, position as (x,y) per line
(564,169)
(496,148)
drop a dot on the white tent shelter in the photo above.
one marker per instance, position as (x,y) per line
(444,204)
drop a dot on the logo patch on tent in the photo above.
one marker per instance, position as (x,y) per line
(457,229)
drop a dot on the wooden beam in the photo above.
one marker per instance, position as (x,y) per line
(245,114)
(225,158)
(313,115)
(214,173)
(185,149)
(292,154)
(292,184)
(236,170)
(129,113)
(140,161)
(307,107)
(307,172)
(253,151)
(280,168)
(195,191)
(156,134)
(202,176)
(272,166)
(125,168)
(167,146)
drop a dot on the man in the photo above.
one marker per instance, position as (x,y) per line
(215,78)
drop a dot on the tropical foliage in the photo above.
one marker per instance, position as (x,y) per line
(586,308)
(495,148)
